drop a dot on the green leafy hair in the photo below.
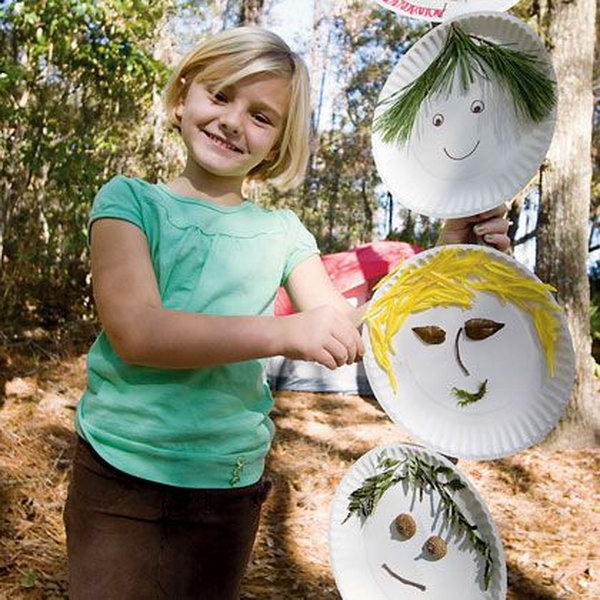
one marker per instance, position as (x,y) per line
(467,55)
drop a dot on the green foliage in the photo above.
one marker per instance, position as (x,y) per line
(594,279)
(29,579)
(595,333)
(77,79)
(417,230)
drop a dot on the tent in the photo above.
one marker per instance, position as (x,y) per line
(354,273)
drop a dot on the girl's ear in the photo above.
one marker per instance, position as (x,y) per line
(181,101)
(179,109)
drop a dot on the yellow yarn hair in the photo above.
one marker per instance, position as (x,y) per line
(451,277)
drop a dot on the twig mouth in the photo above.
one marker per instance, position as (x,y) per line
(419,586)
(462,157)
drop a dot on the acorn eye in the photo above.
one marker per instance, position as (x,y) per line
(436,547)
(405,526)
(437,120)
(477,106)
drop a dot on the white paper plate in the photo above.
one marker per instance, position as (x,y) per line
(472,162)
(358,550)
(523,402)
(443,10)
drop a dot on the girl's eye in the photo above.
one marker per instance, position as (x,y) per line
(262,119)
(438,119)
(477,106)
(219,97)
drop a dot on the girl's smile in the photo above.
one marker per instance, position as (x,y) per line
(222,143)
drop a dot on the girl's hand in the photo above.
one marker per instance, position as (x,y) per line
(491,227)
(323,335)
(357,314)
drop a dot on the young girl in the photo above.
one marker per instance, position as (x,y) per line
(173,426)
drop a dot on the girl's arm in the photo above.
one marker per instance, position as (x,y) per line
(310,288)
(143,332)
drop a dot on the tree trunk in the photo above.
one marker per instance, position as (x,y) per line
(561,256)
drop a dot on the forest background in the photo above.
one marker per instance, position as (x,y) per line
(80,101)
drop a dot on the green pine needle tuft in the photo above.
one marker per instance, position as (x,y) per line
(469,56)
(465,398)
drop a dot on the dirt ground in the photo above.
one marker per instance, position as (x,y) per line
(545,504)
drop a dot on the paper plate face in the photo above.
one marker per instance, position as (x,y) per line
(442,10)
(468,151)
(467,371)
(372,560)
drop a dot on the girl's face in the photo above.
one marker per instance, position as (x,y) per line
(228,133)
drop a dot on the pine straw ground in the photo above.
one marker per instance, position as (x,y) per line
(546,504)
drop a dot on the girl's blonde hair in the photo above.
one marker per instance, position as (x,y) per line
(228,57)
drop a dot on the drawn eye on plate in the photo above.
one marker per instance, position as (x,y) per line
(477,106)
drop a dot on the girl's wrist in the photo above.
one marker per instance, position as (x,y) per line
(276,335)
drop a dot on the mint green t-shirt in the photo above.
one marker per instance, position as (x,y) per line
(196,428)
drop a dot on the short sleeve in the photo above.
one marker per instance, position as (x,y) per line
(301,243)
(117,199)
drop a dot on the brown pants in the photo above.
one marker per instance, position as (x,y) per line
(132,539)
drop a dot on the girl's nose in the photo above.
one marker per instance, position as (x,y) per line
(230,122)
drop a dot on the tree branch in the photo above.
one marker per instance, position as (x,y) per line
(525,238)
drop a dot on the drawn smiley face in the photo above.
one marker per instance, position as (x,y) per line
(451,140)
(458,136)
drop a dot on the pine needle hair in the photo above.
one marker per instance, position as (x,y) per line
(228,57)
(467,56)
